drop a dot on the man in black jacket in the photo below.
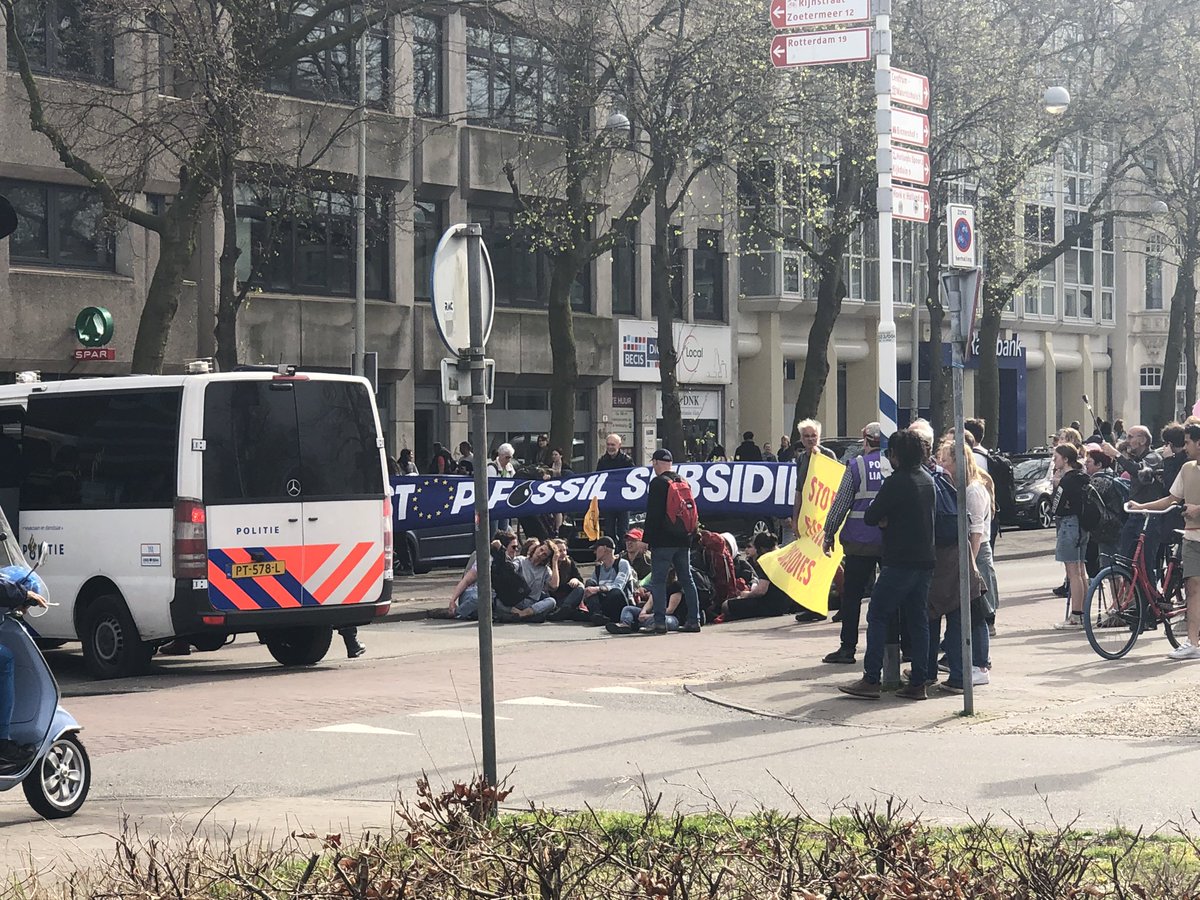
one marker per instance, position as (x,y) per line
(670,546)
(747,450)
(904,510)
(614,525)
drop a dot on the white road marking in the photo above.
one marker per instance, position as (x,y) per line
(547,701)
(620,689)
(356,728)
(451,714)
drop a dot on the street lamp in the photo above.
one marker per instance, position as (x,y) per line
(1056,100)
(616,121)
(1159,208)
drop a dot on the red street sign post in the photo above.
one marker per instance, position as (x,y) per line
(910,165)
(910,128)
(801,13)
(910,89)
(820,48)
(911,204)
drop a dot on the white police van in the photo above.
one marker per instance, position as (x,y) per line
(200,506)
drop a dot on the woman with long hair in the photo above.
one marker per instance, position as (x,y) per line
(1070,548)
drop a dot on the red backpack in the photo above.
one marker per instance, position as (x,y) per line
(681,505)
(719,561)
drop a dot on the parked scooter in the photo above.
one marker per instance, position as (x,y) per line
(58,775)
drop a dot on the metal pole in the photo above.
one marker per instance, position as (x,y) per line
(914,387)
(964,541)
(360,266)
(483,543)
(889,412)
(888,407)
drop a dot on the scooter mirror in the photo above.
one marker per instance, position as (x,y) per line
(40,554)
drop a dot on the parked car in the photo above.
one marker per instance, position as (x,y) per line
(1031,479)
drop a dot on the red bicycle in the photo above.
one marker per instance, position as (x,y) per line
(1124,599)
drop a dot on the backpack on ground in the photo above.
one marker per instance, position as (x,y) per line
(719,562)
(945,520)
(681,505)
(1000,468)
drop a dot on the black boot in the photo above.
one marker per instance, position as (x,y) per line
(354,649)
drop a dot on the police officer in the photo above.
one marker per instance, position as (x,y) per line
(862,543)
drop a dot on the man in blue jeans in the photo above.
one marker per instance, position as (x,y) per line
(904,510)
(670,545)
(13,756)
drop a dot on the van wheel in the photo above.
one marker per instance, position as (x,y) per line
(112,647)
(298,646)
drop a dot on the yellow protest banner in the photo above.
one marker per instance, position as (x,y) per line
(801,569)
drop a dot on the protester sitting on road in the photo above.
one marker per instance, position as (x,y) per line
(464,600)
(610,587)
(570,582)
(762,599)
(541,580)
(529,545)
(637,552)
(634,618)
(904,509)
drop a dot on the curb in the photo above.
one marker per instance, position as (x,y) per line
(411,609)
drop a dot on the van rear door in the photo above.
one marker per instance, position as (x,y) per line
(293,487)
(342,479)
(252,496)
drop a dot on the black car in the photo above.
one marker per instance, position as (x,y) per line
(1033,488)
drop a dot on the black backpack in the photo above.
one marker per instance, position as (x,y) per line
(1000,468)
(507,584)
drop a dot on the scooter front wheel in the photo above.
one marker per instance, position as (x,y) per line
(60,781)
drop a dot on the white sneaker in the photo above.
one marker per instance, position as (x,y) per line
(1184,651)
(1071,623)
(980,676)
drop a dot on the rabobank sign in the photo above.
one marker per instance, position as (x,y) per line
(702,352)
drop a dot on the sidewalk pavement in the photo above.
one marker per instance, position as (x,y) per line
(1043,681)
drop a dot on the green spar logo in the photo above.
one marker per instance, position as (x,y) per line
(94,326)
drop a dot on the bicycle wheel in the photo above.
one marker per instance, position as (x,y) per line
(1174,607)
(1112,613)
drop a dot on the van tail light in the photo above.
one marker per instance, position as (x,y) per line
(191,539)
(388,551)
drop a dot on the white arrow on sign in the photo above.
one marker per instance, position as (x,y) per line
(821,48)
(799,13)
(910,89)
(910,127)
(911,204)
(910,165)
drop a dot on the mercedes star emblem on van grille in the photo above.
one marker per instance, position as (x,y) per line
(293,488)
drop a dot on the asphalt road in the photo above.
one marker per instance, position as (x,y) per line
(741,715)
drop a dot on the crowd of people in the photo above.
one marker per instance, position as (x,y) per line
(1105,488)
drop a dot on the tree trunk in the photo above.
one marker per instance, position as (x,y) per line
(987,384)
(662,293)
(1189,345)
(830,291)
(176,246)
(1185,295)
(564,378)
(229,299)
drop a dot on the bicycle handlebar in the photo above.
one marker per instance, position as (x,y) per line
(1148,512)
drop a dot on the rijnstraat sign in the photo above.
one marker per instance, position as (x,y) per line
(703,352)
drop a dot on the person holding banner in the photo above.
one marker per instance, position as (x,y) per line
(862,543)
(904,511)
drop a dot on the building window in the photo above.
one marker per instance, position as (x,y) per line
(1041,223)
(427,231)
(1150,376)
(508,80)
(332,73)
(302,241)
(59,40)
(1079,273)
(708,277)
(59,226)
(625,269)
(1154,273)
(522,274)
(1107,273)
(428,66)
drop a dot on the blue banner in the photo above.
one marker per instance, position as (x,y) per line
(721,488)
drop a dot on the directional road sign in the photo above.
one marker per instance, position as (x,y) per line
(910,128)
(910,165)
(910,89)
(799,13)
(911,204)
(451,309)
(821,48)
